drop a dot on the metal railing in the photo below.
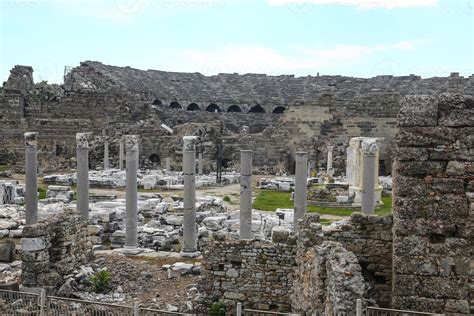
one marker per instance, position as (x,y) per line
(375,311)
(59,306)
(19,303)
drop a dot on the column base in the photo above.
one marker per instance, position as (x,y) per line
(187,254)
(131,250)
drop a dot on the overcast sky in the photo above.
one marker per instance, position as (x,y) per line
(361,38)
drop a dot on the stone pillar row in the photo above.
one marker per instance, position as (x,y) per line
(131,144)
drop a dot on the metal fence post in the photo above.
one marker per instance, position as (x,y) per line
(359,307)
(136,309)
(239,309)
(42,302)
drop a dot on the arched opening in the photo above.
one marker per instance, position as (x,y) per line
(193,107)
(157,102)
(278,110)
(154,158)
(234,108)
(175,105)
(213,108)
(256,109)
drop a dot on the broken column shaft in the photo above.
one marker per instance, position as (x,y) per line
(82,141)
(245,194)
(121,154)
(300,201)
(31,178)
(189,248)
(369,151)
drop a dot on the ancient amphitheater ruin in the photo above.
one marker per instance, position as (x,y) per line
(131,192)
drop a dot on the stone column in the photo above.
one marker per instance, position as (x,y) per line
(200,164)
(106,151)
(168,164)
(369,152)
(121,154)
(245,194)
(330,170)
(189,248)
(309,168)
(131,229)
(82,141)
(300,201)
(31,184)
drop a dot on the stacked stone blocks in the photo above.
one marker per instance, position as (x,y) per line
(433,211)
(52,249)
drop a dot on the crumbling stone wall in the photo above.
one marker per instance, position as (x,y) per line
(328,278)
(52,249)
(369,237)
(433,205)
(258,274)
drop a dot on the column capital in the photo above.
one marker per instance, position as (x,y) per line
(31,138)
(370,146)
(131,142)
(82,140)
(189,143)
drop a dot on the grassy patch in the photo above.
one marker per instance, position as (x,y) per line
(42,191)
(271,200)
(4,168)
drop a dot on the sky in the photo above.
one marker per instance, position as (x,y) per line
(360,38)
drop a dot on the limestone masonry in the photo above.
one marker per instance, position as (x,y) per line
(307,112)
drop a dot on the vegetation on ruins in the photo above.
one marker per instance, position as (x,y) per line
(217,309)
(100,281)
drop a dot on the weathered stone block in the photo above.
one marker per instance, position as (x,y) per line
(426,136)
(418,111)
(456,168)
(457,306)
(7,251)
(33,244)
(420,168)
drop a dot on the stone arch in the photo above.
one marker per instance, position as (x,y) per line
(175,105)
(154,158)
(157,102)
(193,107)
(234,108)
(213,108)
(257,109)
(279,110)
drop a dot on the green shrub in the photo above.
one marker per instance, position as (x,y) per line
(217,309)
(226,199)
(100,281)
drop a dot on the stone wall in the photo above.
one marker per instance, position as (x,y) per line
(327,278)
(433,208)
(317,111)
(258,274)
(52,249)
(369,237)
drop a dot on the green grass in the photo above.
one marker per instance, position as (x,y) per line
(271,200)
(42,191)
(4,168)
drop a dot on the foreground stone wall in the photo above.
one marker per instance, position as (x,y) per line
(433,208)
(328,278)
(369,237)
(258,274)
(52,249)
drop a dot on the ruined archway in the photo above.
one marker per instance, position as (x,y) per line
(257,109)
(279,110)
(213,108)
(234,108)
(193,107)
(175,105)
(155,159)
